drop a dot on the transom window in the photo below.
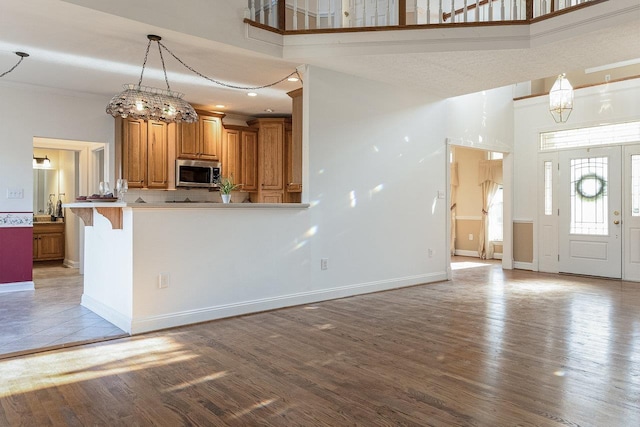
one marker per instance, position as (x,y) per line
(619,133)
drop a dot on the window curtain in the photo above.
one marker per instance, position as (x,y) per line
(489,179)
(454,190)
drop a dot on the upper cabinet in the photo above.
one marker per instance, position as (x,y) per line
(201,140)
(293,173)
(144,150)
(270,159)
(239,145)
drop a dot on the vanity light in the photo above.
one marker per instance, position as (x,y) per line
(41,162)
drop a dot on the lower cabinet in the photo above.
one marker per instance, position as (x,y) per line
(48,241)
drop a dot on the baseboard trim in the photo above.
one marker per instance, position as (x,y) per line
(523,265)
(474,254)
(71,263)
(107,313)
(16,287)
(462,252)
(171,320)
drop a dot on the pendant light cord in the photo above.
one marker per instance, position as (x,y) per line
(22,55)
(144,63)
(218,82)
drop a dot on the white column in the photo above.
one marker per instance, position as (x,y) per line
(261,12)
(428,11)
(502,10)
(477,10)
(252,10)
(318,14)
(464,11)
(440,12)
(295,14)
(453,11)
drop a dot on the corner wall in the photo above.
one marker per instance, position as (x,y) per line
(377,157)
(27,112)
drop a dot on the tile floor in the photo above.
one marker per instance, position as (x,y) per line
(51,316)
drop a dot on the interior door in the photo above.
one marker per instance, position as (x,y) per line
(590,182)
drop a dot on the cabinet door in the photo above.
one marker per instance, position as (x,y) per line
(271,156)
(50,246)
(231,154)
(271,197)
(249,161)
(157,172)
(294,146)
(187,140)
(210,134)
(134,152)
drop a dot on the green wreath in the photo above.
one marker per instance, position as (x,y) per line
(600,186)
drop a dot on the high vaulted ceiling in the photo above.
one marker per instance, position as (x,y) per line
(74,46)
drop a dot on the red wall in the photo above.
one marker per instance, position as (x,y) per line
(16,254)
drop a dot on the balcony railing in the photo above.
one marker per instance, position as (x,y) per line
(292,16)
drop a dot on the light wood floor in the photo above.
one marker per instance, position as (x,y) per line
(51,316)
(490,348)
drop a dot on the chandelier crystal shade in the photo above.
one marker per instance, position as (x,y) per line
(148,103)
(561,99)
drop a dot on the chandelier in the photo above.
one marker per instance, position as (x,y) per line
(561,99)
(147,103)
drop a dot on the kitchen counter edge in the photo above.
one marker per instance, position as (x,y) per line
(192,205)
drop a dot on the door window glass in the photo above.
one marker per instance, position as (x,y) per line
(548,188)
(635,185)
(589,198)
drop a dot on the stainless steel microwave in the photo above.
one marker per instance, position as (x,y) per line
(197,173)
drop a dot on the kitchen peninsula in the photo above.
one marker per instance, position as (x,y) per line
(153,266)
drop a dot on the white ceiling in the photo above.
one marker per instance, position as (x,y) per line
(80,49)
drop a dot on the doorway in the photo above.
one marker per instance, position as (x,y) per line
(590,207)
(589,201)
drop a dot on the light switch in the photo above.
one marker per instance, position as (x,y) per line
(15,193)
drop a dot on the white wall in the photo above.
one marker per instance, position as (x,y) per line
(376,161)
(27,112)
(612,103)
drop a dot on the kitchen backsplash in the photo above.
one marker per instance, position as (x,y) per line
(181,195)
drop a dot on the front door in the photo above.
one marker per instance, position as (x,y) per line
(590,189)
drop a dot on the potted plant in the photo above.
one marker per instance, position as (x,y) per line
(226,187)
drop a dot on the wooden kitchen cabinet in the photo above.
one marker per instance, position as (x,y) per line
(144,150)
(293,147)
(239,147)
(249,161)
(48,241)
(271,149)
(201,140)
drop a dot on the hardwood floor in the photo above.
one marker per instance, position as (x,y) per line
(490,348)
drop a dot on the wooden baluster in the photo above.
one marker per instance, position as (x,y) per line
(428,11)
(306,14)
(295,15)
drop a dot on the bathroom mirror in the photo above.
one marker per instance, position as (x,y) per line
(45,182)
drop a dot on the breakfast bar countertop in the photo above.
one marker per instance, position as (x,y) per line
(187,205)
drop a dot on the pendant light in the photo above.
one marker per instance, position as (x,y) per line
(561,99)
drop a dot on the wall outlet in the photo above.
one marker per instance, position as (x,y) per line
(324,264)
(470,236)
(163,280)
(15,193)
(430,252)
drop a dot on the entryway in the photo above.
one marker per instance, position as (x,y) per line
(589,206)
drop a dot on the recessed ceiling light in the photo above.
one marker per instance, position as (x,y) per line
(269,110)
(220,106)
(252,94)
(293,79)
